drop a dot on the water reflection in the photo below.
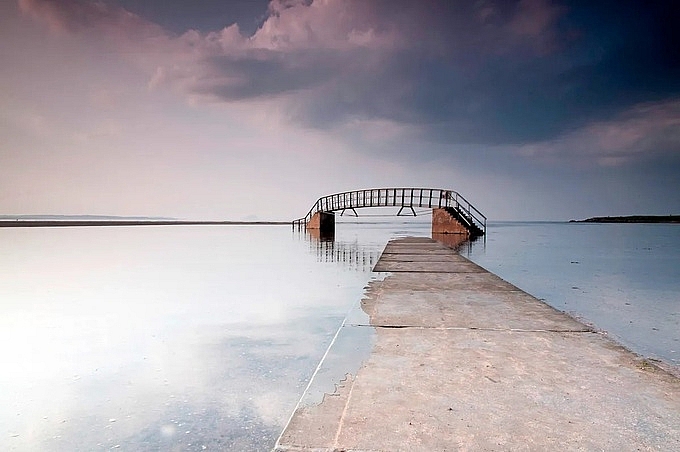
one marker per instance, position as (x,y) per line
(175,338)
(318,234)
(352,255)
(358,246)
(458,242)
(170,338)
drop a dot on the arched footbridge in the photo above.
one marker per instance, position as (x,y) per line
(452,213)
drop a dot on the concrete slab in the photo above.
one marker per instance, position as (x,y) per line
(466,361)
(434,282)
(410,239)
(426,267)
(417,248)
(428,389)
(411,250)
(508,310)
(424,245)
(440,257)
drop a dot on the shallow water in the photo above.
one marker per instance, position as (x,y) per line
(149,338)
(622,278)
(193,337)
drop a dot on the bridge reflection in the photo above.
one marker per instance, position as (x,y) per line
(456,241)
(361,257)
(351,255)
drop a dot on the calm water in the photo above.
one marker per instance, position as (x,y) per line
(622,278)
(148,338)
(204,338)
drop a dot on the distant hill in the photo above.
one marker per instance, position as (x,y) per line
(26,221)
(80,218)
(632,219)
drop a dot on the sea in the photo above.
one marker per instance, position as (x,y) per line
(205,337)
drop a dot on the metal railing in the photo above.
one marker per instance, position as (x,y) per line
(398,197)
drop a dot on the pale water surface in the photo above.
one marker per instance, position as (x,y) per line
(622,278)
(164,338)
(205,337)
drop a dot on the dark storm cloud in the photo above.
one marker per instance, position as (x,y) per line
(486,72)
(482,75)
(247,77)
(204,15)
(491,73)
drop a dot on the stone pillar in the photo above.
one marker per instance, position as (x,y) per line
(324,222)
(443,222)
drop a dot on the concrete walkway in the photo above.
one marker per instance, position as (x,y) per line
(462,360)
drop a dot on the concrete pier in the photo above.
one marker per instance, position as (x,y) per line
(463,360)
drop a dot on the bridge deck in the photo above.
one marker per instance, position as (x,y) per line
(464,360)
(431,198)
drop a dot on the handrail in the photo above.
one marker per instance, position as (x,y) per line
(397,197)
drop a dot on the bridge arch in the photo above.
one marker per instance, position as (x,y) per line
(445,201)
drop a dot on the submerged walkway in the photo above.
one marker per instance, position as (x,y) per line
(462,360)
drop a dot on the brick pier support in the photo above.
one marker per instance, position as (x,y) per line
(443,222)
(324,222)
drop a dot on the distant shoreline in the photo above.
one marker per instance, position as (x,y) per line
(632,219)
(73,223)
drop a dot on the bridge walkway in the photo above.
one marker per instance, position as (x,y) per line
(461,360)
(404,198)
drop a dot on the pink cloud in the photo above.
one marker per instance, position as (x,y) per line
(297,37)
(291,26)
(339,61)
(642,132)
(225,64)
(323,24)
(73,16)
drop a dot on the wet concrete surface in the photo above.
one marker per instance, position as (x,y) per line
(462,360)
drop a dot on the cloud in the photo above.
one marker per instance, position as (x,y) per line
(324,24)
(536,19)
(74,16)
(309,35)
(643,132)
(488,73)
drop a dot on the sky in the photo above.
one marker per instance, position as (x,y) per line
(252,109)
